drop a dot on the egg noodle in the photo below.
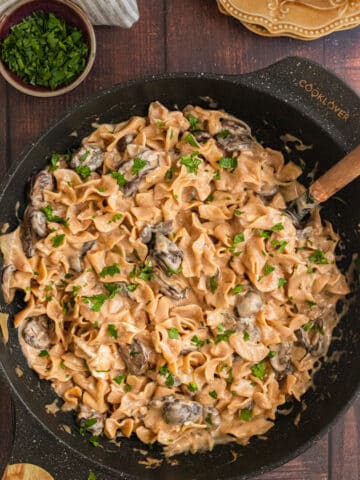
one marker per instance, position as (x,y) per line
(168,292)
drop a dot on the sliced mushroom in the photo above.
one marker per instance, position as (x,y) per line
(239,137)
(315,340)
(38,332)
(281,359)
(249,305)
(176,411)
(135,356)
(86,417)
(124,142)
(167,254)
(42,181)
(202,137)
(212,417)
(169,288)
(76,261)
(7,274)
(148,233)
(33,227)
(267,191)
(248,326)
(134,175)
(88,156)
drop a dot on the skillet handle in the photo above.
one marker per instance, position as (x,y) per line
(315,92)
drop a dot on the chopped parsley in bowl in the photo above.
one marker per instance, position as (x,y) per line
(46,49)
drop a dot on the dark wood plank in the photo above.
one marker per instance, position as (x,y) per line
(345,446)
(121,54)
(7,425)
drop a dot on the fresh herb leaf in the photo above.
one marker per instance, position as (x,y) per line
(57,240)
(246,336)
(44,353)
(279,245)
(245,415)
(271,354)
(96,301)
(169,173)
(132,287)
(238,212)
(173,333)
(264,233)
(164,370)
(191,140)
(48,212)
(237,289)
(94,440)
(213,284)
(119,378)
(238,238)
(268,269)
(115,218)
(224,337)
(311,303)
(217,175)
(84,156)
(281,282)
(90,422)
(310,270)
(111,270)
(259,370)
(113,289)
(83,171)
(171,271)
(195,340)
(223,134)
(120,178)
(277,227)
(112,330)
(91,475)
(228,162)
(169,380)
(213,394)
(194,122)
(318,257)
(192,386)
(191,162)
(138,164)
(76,289)
(146,273)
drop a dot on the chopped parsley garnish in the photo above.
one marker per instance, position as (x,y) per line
(113,289)
(311,303)
(264,233)
(48,212)
(191,140)
(164,370)
(44,353)
(209,198)
(191,162)
(173,333)
(237,289)
(110,270)
(318,256)
(96,301)
(192,386)
(213,284)
(94,440)
(127,387)
(213,394)
(76,289)
(246,336)
(169,382)
(195,340)
(279,245)
(68,275)
(115,218)
(84,156)
(171,271)
(57,240)
(132,287)
(119,378)
(245,414)
(277,227)
(120,178)
(281,282)
(228,162)
(169,173)
(224,337)
(112,331)
(259,370)
(310,270)
(217,175)
(96,324)
(223,133)
(238,212)
(55,158)
(238,238)
(194,122)
(138,164)
(271,354)
(146,273)
(83,171)
(313,326)
(44,50)
(160,124)
(91,475)
(268,269)
(90,422)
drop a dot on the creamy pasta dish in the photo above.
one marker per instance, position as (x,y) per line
(169,293)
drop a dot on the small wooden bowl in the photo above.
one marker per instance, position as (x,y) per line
(73,15)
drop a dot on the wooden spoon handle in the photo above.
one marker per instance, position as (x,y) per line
(337,177)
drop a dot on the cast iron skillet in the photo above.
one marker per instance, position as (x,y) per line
(293,96)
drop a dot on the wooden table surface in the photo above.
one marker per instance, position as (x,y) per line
(190,35)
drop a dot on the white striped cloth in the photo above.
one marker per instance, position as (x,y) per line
(123,13)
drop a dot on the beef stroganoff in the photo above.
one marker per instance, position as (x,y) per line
(168,292)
